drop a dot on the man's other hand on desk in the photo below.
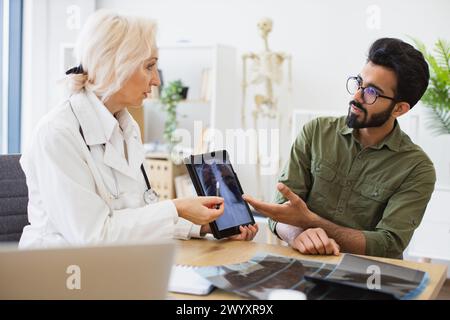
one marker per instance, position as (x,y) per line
(315,241)
(247,233)
(309,241)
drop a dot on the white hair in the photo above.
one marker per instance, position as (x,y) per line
(110,48)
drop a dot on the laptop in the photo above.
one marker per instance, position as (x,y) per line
(138,271)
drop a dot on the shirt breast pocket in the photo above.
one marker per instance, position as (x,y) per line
(322,199)
(323,178)
(369,203)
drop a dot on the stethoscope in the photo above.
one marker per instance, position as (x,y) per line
(150,195)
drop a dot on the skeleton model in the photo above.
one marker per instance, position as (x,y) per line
(266,73)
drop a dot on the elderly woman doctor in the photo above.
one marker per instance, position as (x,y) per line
(84,166)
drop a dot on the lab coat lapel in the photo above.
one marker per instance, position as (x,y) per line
(136,153)
(115,160)
(132,138)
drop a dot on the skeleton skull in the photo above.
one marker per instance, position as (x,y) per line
(265,26)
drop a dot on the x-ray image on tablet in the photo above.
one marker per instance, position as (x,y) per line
(213,175)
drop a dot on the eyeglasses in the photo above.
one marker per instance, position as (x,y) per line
(369,94)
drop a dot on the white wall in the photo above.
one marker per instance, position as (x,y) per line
(328,40)
(48,24)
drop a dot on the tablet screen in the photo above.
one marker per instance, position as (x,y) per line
(218,178)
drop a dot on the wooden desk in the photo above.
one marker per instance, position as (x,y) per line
(204,252)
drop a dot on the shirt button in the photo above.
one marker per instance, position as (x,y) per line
(349,183)
(340,209)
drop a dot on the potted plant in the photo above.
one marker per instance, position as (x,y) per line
(171,95)
(437,96)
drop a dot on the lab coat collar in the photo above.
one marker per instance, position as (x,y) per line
(107,120)
(98,125)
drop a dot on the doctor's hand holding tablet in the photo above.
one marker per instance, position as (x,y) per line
(212,175)
(200,210)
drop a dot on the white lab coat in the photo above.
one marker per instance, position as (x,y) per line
(72,190)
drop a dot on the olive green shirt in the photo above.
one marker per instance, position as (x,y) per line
(382,190)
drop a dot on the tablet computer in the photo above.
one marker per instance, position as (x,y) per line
(212,175)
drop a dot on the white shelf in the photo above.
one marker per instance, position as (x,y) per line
(187,63)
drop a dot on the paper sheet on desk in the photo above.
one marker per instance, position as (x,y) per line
(258,277)
(185,279)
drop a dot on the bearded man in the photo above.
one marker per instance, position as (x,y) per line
(358,184)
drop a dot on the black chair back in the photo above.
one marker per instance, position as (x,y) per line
(13,198)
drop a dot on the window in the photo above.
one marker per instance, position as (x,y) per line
(11,74)
(3,134)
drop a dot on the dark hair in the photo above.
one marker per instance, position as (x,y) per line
(408,64)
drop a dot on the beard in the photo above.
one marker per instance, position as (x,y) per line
(376,120)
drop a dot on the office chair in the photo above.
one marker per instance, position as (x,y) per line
(13,199)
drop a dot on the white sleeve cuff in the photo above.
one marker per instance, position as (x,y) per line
(287,232)
(183,229)
(195,231)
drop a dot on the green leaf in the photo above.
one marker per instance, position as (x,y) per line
(439,121)
(170,97)
(442,51)
(437,96)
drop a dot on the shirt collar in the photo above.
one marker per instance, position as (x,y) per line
(128,125)
(392,141)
